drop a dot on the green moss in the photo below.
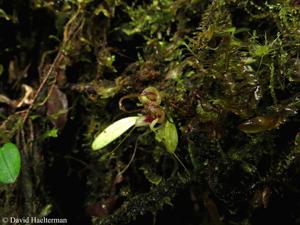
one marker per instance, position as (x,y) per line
(228,74)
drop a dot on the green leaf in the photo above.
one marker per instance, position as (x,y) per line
(10,163)
(151,176)
(168,135)
(3,14)
(53,133)
(102,9)
(113,131)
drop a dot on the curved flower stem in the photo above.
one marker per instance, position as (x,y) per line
(181,163)
(121,106)
(134,152)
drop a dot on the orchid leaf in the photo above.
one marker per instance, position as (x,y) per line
(168,135)
(113,131)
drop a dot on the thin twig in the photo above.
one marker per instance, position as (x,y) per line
(68,34)
(57,60)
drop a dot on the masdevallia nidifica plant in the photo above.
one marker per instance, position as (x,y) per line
(152,114)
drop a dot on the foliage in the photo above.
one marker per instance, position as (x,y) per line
(10,163)
(113,131)
(217,81)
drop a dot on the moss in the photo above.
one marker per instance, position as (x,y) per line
(227,73)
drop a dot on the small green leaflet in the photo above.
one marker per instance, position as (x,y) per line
(3,14)
(10,163)
(113,131)
(151,176)
(168,135)
(53,133)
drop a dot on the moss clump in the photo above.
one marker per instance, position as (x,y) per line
(228,73)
